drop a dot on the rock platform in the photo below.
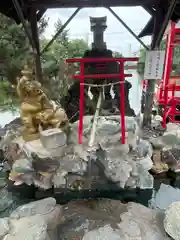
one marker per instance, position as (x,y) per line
(57,164)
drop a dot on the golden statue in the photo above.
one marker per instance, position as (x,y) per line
(36,110)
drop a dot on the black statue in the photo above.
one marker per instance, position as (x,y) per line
(71,102)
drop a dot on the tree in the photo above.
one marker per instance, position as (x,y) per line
(117,54)
(63,36)
(14,46)
(142,55)
(76,48)
(55,67)
(14,53)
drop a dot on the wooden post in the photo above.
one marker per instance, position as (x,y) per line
(158,20)
(160,24)
(36,49)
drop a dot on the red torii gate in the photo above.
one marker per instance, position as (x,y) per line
(121,75)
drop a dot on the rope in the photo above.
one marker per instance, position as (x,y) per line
(101,85)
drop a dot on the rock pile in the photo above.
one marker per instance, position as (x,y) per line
(166,149)
(138,222)
(37,220)
(102,219)
(54,160)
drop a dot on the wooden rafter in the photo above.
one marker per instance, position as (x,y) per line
(90,3)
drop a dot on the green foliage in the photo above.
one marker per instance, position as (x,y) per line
(77,47)
(117,55)
(14,46)
(142,55)
(63,36)
(8,99)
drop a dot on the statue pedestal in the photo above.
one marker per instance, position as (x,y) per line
(52,143)
(53,138)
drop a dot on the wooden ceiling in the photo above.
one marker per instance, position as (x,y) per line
(7,8)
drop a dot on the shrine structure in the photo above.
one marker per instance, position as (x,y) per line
(161,12)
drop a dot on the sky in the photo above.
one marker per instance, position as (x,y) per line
(117,37)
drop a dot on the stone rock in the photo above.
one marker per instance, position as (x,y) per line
(112,124)
(35,147)
(145,180)
(59,178)
(33,221)
(8,138)
(171,156)
(157,143)
(131,182)
(135,170)
(144,164)
(119,171)
(142,223)
(172,220)
(6,200)
(165,196)
(137,222)
(107,126)
(172,128)
(16,122)
(30,228)
(4,226)
(43,181)
(22,171)
(22,165)
(144,148)
(124,166)
(46,165)
(104,233)
(168,140)
(156,121)
(53,217)
(46,208)
(12,153)
(72,164)
(81,152)
(40,207)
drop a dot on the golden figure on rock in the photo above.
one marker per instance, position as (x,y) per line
(37,112)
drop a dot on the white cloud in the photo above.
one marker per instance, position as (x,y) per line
(116,36)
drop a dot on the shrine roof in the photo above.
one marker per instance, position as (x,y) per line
(7,7)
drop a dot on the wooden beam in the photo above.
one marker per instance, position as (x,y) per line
(166,18)
(148,29)
(41,13)
(21,17)
(90,3)
(36,49)
(149,9)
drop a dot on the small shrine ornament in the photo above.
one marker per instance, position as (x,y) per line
(112,93)
(90,95)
